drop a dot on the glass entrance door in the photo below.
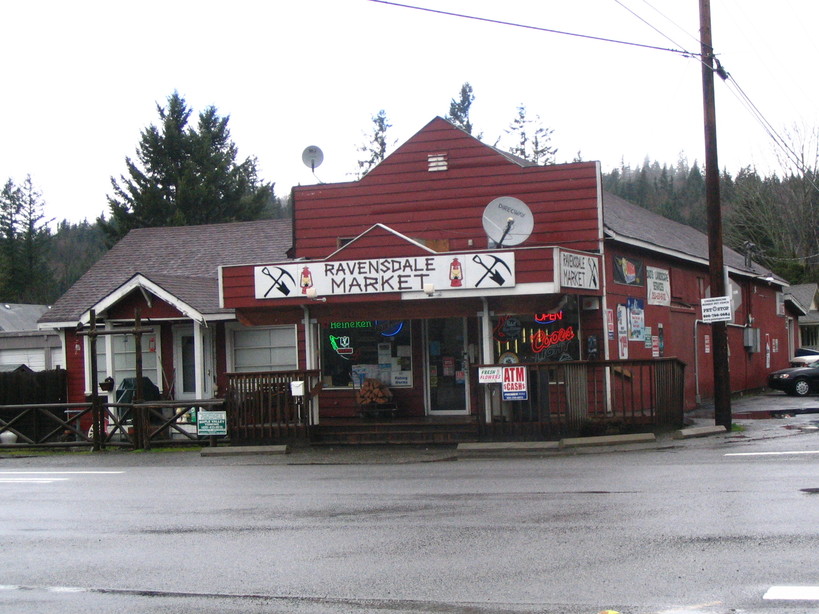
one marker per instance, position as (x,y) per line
(447,366)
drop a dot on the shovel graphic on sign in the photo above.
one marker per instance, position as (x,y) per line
(278,284)
(491,270)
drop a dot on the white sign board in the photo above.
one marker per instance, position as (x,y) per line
(658,286)
(717,309)
(484,270)
(577,270)
(490,375)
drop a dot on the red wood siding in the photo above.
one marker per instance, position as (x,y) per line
(402,194)
(687,337)
(124,309)
(75,366)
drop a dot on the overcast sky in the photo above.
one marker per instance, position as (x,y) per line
(82,80)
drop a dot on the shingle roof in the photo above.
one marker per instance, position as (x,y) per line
(629,221)
(805,294)
(183,260)
(16,317)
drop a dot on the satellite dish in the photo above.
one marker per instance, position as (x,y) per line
(312,157)
(507,221)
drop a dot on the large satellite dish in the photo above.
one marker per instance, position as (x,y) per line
(312,157)
(507,221)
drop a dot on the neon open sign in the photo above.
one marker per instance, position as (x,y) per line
(548,317)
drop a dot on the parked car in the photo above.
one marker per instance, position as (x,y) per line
(805,357)
(798,381)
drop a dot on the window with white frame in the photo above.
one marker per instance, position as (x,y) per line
(122,363)
(263,348)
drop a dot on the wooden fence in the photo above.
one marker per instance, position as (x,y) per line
(587,398)
(140,425)
(263,409)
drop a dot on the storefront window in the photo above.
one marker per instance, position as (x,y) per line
(355,351)
(539,337)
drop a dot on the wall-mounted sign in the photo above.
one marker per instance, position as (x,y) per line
(636,319)
(629,271)
(490,375)
(577,270)
(485,271)
(717,309)
(658,286)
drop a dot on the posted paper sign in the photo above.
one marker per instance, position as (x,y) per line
(490,375)
(515,386)
(717,309)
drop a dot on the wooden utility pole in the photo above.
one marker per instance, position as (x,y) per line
(719,330)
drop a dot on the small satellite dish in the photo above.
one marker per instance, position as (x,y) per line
(312,157)
(507,221)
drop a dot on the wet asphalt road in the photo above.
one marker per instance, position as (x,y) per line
(702,526)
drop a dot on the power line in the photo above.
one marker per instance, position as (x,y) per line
(645,21)
(536,28)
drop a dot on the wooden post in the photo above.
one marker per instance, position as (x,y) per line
(141,421)
(96,411)
(719,330)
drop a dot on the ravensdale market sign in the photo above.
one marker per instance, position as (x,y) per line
(483,270)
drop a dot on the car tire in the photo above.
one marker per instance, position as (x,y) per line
(801,387)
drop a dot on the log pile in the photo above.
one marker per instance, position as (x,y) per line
(373,391)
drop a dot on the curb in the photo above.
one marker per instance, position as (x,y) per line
(541,447)
(699,431)
(244,451)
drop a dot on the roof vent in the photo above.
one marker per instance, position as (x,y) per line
(437,162)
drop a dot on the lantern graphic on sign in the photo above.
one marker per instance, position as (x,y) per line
(306,280)
(456,274)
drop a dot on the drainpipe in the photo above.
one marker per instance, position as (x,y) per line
(310,361)
(486,339)
(697,397)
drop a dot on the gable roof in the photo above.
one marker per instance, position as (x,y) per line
(630,223)
(182,260)
(806,296)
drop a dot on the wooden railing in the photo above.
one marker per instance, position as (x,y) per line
(124,424)
(262,406)
(588,398)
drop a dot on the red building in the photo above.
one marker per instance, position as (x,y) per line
(422,240)
(448,255)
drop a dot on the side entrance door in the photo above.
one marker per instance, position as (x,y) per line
(184,355)
(446,366)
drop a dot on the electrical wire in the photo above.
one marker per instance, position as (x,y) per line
(645,21)
(681,52)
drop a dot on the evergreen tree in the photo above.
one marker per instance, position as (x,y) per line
(375,148)
(459,109)
(11,200)
(532,140)
(24,242)
(73,249)
(185,176)
(34,243)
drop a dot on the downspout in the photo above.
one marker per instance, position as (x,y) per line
(486,339)
(697,397)
(310,361)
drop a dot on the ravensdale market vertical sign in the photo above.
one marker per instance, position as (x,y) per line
(483,270)
(574,270)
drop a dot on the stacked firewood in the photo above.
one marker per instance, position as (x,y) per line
(373,391)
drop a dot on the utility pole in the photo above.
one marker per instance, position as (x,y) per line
(719,330)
